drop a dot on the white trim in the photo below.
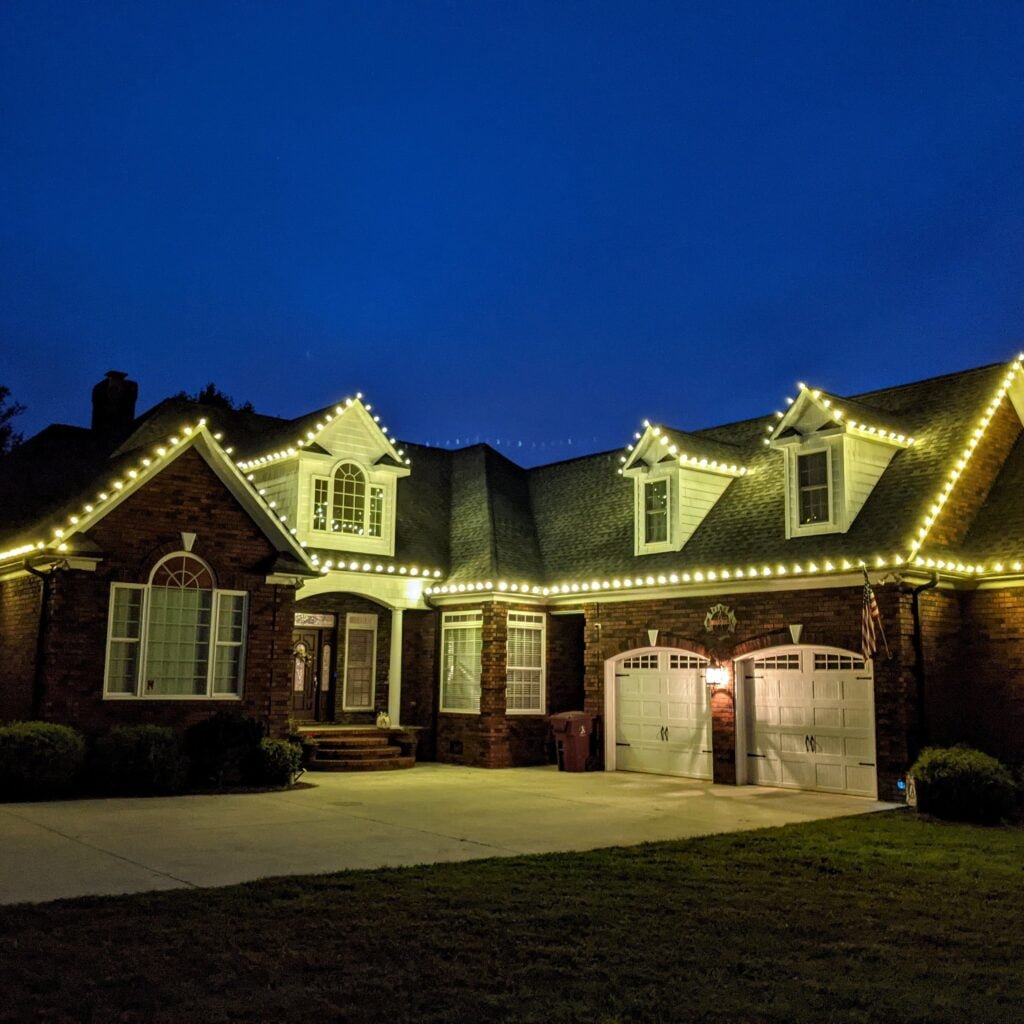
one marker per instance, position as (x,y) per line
(395,668)
(539,625)
(366,627)
(139,640)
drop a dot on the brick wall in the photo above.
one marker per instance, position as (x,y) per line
(991,669)
(829,617)
(19,623)
(341,605)
(185,496)
(946,706)
(420,677)
(977,479)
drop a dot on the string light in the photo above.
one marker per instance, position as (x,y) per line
(830,405)
(960,464)
(684,458)
(137,476)
(311,436)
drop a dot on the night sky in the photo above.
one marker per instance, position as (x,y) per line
(528,223)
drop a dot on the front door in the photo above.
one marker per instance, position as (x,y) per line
(305,673)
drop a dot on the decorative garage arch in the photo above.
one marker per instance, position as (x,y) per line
(658,712)
(805,719)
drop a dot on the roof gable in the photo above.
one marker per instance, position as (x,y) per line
(128,473)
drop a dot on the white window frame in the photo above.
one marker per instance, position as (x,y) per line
(143,642)
(464,619)
(833,474)
(370,485)
(367,626)
(533,622)
(656,474)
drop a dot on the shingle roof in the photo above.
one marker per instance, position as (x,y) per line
(477,516)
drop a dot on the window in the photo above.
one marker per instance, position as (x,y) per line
(812,486)
(356,507)
(524,685)
(642,661)
(461,641)
(837,662)
(360,661)
(656,512)
(177,636)
(785,662)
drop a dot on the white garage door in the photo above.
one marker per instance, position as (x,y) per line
(662,715)
(811,720)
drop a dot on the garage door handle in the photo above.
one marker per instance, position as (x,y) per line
(866,764)
(703,750)
(618,744)
(757,755)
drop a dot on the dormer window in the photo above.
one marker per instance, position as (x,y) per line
(347,504)
(656,512)
(812,477)
(677,478)
(833,456)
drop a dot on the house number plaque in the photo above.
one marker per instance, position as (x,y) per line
(720,617)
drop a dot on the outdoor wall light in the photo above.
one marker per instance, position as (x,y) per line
(716,675)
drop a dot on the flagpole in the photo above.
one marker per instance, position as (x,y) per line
(881,628)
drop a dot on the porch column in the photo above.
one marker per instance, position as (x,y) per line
(395,668)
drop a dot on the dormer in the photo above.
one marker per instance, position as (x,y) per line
(337,479)
(835,450)
(677,478)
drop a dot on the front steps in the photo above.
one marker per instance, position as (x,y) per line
(358,749)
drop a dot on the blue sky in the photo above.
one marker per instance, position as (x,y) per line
(527,223)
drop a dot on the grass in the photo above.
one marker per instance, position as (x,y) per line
(887,918)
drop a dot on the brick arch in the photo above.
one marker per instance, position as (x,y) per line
(671,643)
(782,638)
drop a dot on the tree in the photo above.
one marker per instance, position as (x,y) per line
(8,410)
(212,395)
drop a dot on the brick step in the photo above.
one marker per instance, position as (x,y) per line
(368,765)
(360,742)
(335,751)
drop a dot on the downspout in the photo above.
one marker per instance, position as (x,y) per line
(915,608)
(38,683)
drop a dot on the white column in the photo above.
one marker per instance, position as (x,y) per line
(395,668)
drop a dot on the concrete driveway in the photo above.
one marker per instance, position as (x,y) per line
(428,814)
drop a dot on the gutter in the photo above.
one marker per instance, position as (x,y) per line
(38,678)
(919,673)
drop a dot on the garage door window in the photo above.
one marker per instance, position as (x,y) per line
(836,662)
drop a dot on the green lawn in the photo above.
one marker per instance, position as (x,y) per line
(884,918)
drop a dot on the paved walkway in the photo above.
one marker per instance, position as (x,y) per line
(428,814)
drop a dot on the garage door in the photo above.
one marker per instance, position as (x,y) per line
(811,720)
(662,715)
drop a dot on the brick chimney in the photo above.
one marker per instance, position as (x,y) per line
(113,404)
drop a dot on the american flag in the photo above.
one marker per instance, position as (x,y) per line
(869,618)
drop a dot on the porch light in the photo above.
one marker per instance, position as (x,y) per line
(716,675)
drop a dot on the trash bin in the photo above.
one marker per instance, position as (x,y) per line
(573,732)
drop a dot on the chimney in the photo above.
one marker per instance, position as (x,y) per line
(113,404)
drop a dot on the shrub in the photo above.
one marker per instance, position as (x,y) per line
(139,760)
(39,760)
(222,749)
(277,762)
(962,784)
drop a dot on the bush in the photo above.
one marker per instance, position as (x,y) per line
(139,760)
(39,760)
(962,784)
(277,762)
(223,749)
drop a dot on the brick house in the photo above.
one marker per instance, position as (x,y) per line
(702,592)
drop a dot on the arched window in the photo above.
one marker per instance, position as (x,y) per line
(349,512)
(356,506)
(177,635)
